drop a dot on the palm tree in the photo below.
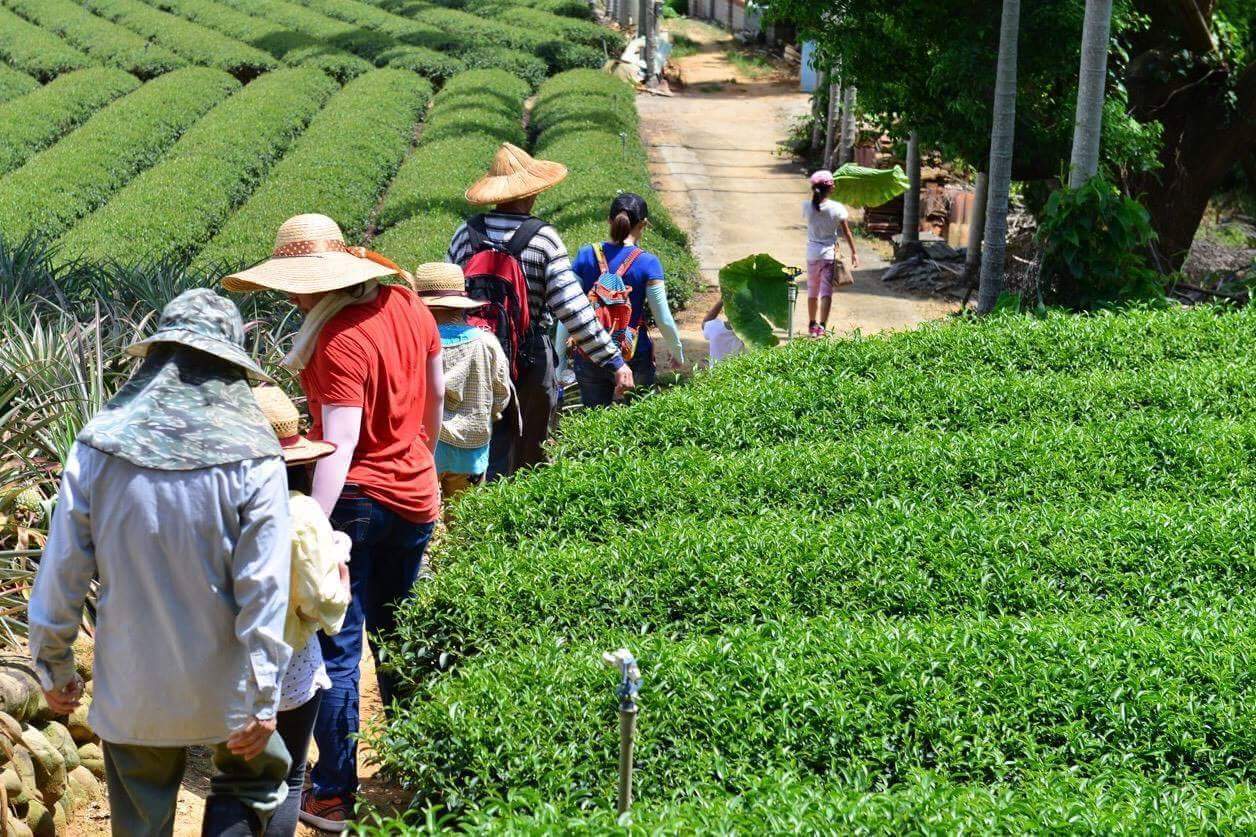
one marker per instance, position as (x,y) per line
(830,127)
(1090,85)
(846,148)
(818,125)
(1002,136)
(976,228)
(911,200)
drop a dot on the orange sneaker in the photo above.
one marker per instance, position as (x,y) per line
(331,814)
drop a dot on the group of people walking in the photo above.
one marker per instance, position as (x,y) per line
(241,565)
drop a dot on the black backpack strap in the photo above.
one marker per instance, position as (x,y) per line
(477,234)
(523,236)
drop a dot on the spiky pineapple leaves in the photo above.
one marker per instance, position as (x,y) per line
(756,298)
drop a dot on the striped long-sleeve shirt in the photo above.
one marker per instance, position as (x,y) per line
(553,289)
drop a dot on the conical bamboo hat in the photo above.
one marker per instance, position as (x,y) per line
(514,175)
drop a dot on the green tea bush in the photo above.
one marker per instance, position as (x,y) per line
(72,178)
(587,120)
(404,29)
(36,120)
(560,27)
(172,209)
(339,165)
(103,41)
(473,114)
(578,9)
(30,49)
(524,65)
(14,83)
(982,577)
(198,44)
(293,47)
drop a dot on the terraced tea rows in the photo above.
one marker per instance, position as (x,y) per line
(892,583)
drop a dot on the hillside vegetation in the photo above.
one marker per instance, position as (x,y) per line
(982,576)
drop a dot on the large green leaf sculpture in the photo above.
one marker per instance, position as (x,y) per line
(756,298)
(860,186)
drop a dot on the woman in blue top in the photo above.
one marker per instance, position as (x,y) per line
(629,217)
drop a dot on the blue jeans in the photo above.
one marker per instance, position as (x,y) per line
(597,383)
(387,553)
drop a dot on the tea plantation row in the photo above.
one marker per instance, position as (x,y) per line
(980,577)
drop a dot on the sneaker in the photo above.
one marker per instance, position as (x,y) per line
(331,814)
(811,330)
(821,331)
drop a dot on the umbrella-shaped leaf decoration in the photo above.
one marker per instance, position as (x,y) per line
(860,186)
(756,297)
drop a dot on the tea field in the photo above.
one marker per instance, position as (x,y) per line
(982,577)
(156,134)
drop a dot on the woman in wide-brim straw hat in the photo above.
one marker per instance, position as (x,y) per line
(511,186)
(368,354)
(477,380)
(318,600)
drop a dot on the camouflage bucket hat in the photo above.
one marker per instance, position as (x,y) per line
(203,320)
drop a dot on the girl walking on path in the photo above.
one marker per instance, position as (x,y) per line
(640,275)
(370,364)
(477,380)
(825,266)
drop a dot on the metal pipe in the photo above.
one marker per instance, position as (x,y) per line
(626,691)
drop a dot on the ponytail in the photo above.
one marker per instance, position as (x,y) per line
(819,192)
(621,227)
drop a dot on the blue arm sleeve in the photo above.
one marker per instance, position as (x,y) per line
(656,295)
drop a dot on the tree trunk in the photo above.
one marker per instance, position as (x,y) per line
(818,124)
(846,148)
(1090,87)
(1002,137)
(730,15)
(649,29)
(1209,126)
(976,227)
(830,127)
(911,200)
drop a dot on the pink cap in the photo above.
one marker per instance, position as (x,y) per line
(823,177)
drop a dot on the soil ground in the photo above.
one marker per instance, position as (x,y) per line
(715,158)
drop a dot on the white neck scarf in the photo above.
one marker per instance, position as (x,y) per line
(320,315)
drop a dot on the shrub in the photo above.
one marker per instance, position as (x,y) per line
(524,65)
(36,120)
(62,184)
(474,113)
(292,47)
(175,207)
(977,575)
(588,121)
(404,29)
(568,29)
(103,41)
(197,43)
(437,66)
(14,83)
(1093,247)
(36,51)
(338,166)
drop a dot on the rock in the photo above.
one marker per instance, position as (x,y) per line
(49,765)
(84,785)
(10,728)
(12,783)
(60,738)
(93,758)
(39,820)
(24,766)
(84,656)
(80,731)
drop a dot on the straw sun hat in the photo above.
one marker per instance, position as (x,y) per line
(310,257)
(442,285)
(285,420)
(514,175)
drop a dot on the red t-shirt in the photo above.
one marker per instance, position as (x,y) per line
(374,356)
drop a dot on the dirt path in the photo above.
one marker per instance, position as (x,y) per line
(714,156)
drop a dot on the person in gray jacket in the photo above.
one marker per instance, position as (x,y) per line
(175,496)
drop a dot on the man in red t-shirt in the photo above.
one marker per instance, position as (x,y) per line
(370,365)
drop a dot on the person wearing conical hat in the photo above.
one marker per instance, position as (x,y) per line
(174,497)
(477,380)
(511,186)
(369,358)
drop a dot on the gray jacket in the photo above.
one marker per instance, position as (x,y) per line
(194,570)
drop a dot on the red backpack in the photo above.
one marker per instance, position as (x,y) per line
(495,276)
(611,302)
